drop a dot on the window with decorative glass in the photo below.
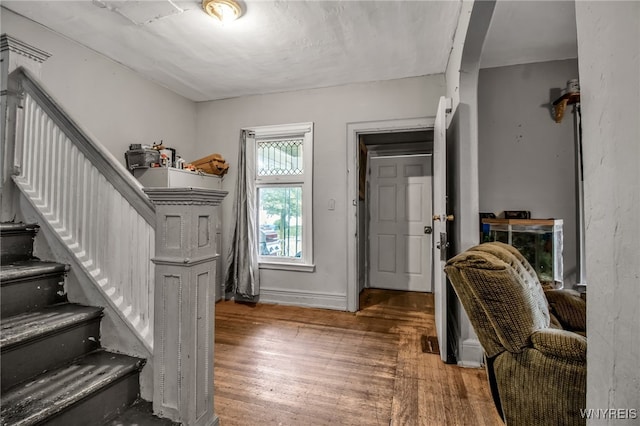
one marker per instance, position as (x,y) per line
(283,160)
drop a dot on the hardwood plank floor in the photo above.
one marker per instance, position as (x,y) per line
(283,365)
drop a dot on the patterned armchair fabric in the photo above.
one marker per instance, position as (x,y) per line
(536,360)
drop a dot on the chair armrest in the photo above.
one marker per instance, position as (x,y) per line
(569,308)
(560,344)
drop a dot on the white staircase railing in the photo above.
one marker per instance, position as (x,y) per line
(93,204)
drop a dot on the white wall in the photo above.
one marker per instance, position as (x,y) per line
(109,101)
(218,127)
(452,73)
(526,159)
(609,61)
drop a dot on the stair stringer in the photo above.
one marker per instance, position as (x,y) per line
(116,333)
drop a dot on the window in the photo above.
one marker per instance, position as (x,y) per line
(282,160)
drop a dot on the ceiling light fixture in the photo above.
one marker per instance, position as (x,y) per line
(224,10)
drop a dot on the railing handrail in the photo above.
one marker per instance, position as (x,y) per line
(102,159)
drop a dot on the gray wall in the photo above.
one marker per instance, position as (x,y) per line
(112,103)
(526,159)
(609,57)
(218,127)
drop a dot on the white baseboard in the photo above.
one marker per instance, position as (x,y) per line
(471,354)
(303,298)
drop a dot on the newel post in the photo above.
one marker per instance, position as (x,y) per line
(14,54)
(184,307)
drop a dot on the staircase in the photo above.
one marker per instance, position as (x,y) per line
(54,370)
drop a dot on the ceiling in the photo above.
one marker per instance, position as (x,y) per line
(289,45)
(275,46)
(524,31)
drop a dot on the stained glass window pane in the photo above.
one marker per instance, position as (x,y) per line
(280,158)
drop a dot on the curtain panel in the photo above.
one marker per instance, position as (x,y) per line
(242,277)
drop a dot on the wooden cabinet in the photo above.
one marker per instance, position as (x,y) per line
(539,241)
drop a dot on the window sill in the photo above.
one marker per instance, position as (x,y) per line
(299,267)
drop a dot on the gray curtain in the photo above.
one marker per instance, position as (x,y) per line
(242,276)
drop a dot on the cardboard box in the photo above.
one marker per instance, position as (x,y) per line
(213,164)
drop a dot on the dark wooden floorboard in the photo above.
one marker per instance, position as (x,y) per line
(283,365)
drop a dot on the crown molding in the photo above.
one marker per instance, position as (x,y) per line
(8,43)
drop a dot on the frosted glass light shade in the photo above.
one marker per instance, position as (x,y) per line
(224,10)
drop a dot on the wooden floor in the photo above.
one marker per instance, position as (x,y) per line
(281,365)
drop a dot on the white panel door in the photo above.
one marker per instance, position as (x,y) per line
(440,218)
(400,209)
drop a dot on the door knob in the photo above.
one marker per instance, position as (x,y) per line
(428,229)
(448,218)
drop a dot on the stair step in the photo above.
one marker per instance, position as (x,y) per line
(28,269)
(31,284)
(33,342)
(140,414)
(9,227)
(96,386)
(17,241)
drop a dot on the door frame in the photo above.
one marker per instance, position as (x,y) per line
(353,131)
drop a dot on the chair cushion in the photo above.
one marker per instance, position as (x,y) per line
(521,266)
(561,343)
(554,322)
(569,308)
(537,388)
(511,256)
(513,303)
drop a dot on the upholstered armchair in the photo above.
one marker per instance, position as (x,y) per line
(536,366)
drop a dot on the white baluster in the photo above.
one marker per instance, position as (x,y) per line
(65,165)
(136,280)
(70,204)
(129,282)
(93,224)
(106,233)
(76,204)
(103,194)
(27,163)
(80,203)
(55,183)
(33,158)
(52,167)
(46,172)
(82,206)
(42,150)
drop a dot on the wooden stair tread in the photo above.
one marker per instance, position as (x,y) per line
(27,269)
(32,325)
(54,391)
(7,228)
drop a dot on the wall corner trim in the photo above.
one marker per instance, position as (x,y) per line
(471,354)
